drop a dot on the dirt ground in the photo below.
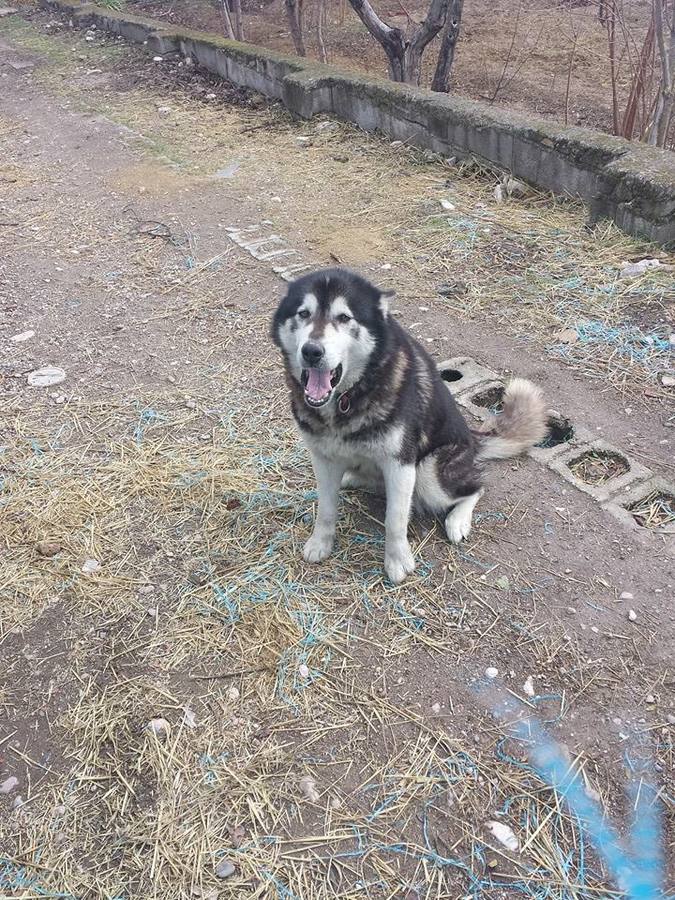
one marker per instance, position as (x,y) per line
(317,733)
(546,57)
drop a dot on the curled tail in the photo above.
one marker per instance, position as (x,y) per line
(521,425)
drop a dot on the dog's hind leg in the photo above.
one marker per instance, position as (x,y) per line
(458,521)
(329,474)
(448,486)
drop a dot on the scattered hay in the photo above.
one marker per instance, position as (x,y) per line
(201,613)
(656,510)
(598,466)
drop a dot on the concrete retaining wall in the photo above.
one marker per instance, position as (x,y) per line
(628,182)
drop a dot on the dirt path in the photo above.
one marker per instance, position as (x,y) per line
(166,457)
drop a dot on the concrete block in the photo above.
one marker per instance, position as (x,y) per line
(600,492)
(462,373)
(468,399)
(619,508)
(563,436)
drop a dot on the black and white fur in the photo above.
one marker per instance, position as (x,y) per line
(374,412)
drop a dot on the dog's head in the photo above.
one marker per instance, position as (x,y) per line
(330,326)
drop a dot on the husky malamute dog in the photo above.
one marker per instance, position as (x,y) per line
(374,412)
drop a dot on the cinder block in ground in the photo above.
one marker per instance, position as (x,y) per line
(628,471)
(468,398)
(564,435)
(620,508)
(462,373)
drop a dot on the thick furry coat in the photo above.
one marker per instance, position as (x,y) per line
(375,413)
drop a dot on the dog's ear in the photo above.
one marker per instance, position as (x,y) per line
(385,297)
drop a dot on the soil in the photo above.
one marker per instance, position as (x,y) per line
(114,251)
(520,56)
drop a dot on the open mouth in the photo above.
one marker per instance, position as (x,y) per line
(319,384)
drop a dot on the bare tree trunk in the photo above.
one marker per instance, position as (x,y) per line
(404,55)
(227,20)
(238,21)
(391,39)
(639,84)
(446,55)
(320,21)
(422,36)
(610,21)
(294,13)
(658,132)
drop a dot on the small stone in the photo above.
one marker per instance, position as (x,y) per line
(189,717)
(651,698)
(157,58)
(503,583)
(211,96)
(626,595)
(191,404)
(592,794)
(89,566)
(632,615)
(152,611)
(335,803)
(232,694)
(528,687)
(8,785)
(307,786)
(47,376)
(159,727)
(491,672)
(447,205)
(48,548)
(303,671)
(164,111)
(146,589)
(671,719)
(617,721)
(24,336)
(505,835)
(436,708)
(224,869)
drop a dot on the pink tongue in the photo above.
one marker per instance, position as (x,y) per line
(318,383)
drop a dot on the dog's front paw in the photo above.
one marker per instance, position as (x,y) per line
(318,548)
(399,563)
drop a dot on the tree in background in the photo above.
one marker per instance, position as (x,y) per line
(234,24)
(294,14)
(446,55)
(664,26)
(405,50)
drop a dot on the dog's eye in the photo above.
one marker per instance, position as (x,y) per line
(303,314)
(343,318)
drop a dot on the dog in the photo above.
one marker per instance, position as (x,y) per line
(375,414)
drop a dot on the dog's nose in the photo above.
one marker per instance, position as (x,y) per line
(312,353)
